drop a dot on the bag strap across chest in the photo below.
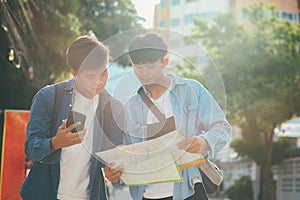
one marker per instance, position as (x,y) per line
(164,125)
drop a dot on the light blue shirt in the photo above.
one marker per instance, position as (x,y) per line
(196,113)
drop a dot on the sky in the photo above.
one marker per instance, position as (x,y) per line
(145,9)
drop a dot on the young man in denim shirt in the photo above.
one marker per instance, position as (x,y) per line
(63,165)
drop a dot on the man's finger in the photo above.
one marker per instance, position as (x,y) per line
(111,164)
(116,174)
(81,134)
(62,125)
(184,143)
(73,126)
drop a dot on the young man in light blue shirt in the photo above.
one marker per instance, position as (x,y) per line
(185,104)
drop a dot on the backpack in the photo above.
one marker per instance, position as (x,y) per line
(40,174)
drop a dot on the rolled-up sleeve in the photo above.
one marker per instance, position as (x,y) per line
(212,121)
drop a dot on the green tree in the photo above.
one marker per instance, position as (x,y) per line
(107,18)
(260,67)
(36,34)
(241,190)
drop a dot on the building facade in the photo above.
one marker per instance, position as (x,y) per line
(178,16)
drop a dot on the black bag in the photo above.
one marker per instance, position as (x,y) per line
(209,186)
(212,176)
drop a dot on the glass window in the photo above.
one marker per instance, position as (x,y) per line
(175,22)
(163,4)
(288,16)
(175,2)
(162,24)
(189,18)
(188,1)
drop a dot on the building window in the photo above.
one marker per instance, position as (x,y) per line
(175,2)
(188,19)
(162,24)
(163,4)
(188,1)
(204,16)
(289,16)
(175,22)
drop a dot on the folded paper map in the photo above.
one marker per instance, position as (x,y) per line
(154,161)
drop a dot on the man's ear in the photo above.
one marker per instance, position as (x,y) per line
(73,72)
(166,61)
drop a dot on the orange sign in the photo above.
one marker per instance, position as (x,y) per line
(13,156)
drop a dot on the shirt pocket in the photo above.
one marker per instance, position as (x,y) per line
(189,119)
(189,108)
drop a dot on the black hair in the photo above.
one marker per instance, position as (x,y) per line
(147,48)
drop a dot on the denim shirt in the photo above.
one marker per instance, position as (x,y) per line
(38,140)
(196,113)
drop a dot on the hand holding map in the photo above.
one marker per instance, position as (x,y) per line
(154,161)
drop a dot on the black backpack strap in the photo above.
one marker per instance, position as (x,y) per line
(59,92)
(151,105)
(107,117)
(112,134)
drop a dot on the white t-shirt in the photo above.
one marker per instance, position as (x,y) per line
(164,104)
(163,190)
(75,160)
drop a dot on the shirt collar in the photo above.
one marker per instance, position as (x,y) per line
(176,80)
(70,85)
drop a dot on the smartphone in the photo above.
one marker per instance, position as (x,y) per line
(73,117)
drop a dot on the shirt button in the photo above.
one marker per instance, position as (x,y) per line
(70,92)
(70,105)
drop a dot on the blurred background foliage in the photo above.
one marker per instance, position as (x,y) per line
(260,65)
(241,190)
(35,35)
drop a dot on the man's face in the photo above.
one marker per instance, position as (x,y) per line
(149,73)
(91,82)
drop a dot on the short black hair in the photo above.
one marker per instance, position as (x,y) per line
(147,48)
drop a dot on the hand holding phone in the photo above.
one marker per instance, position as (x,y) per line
(74,117)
